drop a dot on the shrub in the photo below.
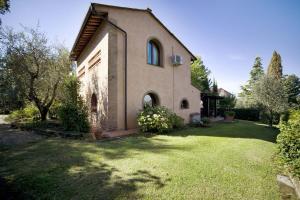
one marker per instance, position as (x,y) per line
(288,142)
(158,119)
(177,121)
(73,112)
(250,114)
(74,118)
(229,113)
(54,110)
(29,113)
(205,120)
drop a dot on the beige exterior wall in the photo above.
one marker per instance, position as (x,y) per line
(171,84)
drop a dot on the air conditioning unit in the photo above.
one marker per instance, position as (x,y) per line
(177,60)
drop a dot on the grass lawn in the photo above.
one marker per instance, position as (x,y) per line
(226,161)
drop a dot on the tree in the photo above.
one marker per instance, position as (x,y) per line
(214,88)
(11,93)
(255,74)
(4,6)
(269,93)
(275,67)
(228,102)
(199,75)
(291,84)
(257,71)
(38,66)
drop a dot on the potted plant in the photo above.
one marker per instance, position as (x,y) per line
(205,121)
(229,116)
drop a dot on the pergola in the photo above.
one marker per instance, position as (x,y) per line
(209,101)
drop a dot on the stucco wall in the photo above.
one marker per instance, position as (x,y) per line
(171,84)
(95,79)
(142,77)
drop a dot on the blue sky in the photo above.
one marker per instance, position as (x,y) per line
(227,34)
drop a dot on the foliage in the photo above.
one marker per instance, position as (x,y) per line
(275,67)
(177,121)
(158,119)
(12,95)
(214,88)
(227,103)
(54,109)
(291,84)
(229,113)
(288,142)
(37,66)
(269,94)
(200,75)
(255,74)
(250,114)
(29,113)
(4,6)
(205,120)
(73,111)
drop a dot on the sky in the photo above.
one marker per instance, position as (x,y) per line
(227,34)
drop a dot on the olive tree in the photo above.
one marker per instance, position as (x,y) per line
(39,66)
(269,93)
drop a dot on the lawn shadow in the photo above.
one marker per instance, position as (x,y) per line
(128,147)
(53,169)
(236,129)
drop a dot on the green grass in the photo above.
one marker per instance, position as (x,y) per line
(226,161)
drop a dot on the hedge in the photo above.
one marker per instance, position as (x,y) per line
(288,142)
(247,114)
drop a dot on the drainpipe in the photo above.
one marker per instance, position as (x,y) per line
(125,58)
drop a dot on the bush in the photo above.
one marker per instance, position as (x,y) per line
(73,112)
(247,114)
(54,110)
(177,121)
(29,113)
(229,113)
(205,120)
(74,118)
(158,119)
(288,142)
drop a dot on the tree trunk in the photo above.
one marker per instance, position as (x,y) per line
(44,113)
(271,119)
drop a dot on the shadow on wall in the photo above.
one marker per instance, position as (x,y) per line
(98,118)
(70,170)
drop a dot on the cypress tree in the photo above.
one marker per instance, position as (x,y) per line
(257,71)
(255,74)
(275,67)
(215,88)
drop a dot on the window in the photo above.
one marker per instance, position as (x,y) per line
(95,59)
(150,99)
(81,72)
(184,104)
(153,53)
(94,103)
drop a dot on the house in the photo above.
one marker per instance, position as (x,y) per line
(127,58)
(224,93)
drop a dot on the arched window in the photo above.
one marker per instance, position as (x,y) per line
(150,99)
(153,53)
(94,103)
(184,104)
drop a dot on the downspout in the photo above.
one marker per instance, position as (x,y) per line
(125,58)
